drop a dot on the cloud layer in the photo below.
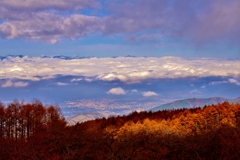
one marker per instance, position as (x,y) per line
(200,21)
(124,69)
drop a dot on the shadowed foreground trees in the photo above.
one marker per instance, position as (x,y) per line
(32,131)
(19,120)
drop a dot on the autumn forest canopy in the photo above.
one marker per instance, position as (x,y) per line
(34,131)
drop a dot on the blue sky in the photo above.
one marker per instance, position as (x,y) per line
(190,49)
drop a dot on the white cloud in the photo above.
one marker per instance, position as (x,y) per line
(124,69)
(76,79)
(218,82)
(195,91)
(88,79)
(149,94)
(20,84)
(82,79)
(117,91)
(9,83)
(61,84)
(231,80)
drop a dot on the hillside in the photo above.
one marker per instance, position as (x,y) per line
(194,102)
(234,101)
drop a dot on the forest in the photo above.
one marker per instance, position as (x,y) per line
(33,131)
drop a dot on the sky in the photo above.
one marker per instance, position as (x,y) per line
(118,54)
(199,28)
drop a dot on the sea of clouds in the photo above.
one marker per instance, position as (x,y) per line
(129,70)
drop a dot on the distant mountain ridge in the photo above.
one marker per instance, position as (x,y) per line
(194,102)
(61,57)
(56,57)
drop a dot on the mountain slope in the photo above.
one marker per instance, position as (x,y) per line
(234,101)
(191,103)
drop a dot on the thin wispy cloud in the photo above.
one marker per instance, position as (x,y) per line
(235,81)
(134,90)
(61,84)
(9,83)
(218,82)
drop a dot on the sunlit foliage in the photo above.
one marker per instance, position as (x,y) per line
(34,131)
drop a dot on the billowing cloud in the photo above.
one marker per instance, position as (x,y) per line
(9,83)
(46,21)
(35,5)
(124,69)
(200,21)
(117,91)
(149,94)
(50,28)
